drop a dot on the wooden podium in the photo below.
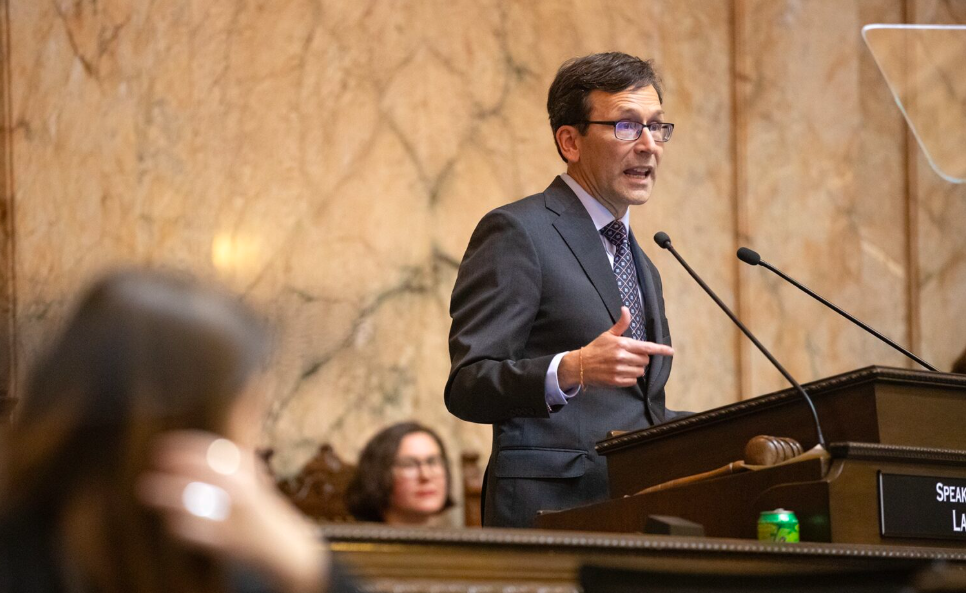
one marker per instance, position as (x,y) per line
(896,474)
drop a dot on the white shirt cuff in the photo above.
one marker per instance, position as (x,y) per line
(555,397)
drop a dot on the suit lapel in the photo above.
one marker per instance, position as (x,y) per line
(579,232)
(653,326)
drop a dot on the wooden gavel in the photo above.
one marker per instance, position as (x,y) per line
(760,452)
(768,450)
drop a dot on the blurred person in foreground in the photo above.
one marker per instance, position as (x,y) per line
(403,478)
(130,465)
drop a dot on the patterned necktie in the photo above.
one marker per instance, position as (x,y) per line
(626,274)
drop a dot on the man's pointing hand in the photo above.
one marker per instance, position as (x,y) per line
(611,360)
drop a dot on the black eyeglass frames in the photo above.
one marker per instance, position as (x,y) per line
(632,130)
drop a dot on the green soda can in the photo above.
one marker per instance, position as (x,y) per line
(777,526)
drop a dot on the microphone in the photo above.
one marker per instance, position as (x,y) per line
(752,258)
(664,242)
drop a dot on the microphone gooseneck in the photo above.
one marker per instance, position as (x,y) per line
(755,259)
(664,242)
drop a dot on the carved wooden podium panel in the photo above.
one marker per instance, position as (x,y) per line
(879,421)
(871,405)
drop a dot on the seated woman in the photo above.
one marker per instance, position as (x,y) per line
(118,471)
(403,478)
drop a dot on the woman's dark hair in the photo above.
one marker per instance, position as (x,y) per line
(144,353)
(370,492)
(610,72)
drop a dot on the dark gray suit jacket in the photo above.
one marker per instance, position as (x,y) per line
(536,281)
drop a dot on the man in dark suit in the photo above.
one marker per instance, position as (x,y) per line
(559,333)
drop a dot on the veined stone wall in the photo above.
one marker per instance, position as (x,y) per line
(328,159)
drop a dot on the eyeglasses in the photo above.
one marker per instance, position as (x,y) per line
(409,467)
(632,130)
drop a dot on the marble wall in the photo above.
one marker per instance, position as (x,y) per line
(7,308)
(938,216)
(824,188)
(328,159)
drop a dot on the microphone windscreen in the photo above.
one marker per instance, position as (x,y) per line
(749,256)
(662,239)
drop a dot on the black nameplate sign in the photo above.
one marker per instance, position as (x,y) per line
(921,506)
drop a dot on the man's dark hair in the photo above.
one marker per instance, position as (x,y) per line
(611,72)
(369,494)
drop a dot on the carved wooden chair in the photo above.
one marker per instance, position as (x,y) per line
(317,489)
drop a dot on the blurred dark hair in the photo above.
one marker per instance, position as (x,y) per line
(612,72)
(369,494)
(144,352)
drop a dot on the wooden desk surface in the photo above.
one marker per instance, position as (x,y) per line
(409,560)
